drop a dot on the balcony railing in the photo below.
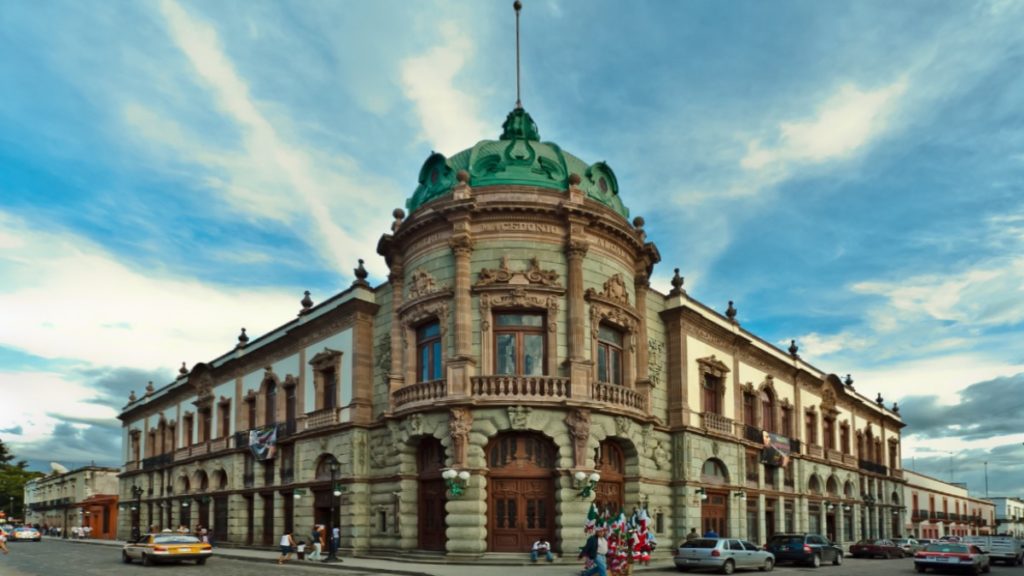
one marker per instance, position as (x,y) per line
(870,466)
(157,461)
(504,387)
(849,459)
(815,451)
(420,392)
(131,466)
(219,444)
(920,515)
(615,395)
(716,423)
(321,418)
(896,473)
(834,455)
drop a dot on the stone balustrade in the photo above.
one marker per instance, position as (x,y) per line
(420,392)
(507,387)
(618,396)
(716,423)
(321,418)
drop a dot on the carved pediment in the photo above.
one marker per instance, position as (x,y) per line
(714,366)
(325,358)
(532,275)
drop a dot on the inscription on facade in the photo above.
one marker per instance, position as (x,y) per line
(518,227)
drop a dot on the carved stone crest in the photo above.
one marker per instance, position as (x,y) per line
(422,284)
(414,425)
(660,455)
(622,425)
(519,416)
(614,290)
(533,274)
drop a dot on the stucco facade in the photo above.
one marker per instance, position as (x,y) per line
(1009,515)
(82,497)
(940,509)
(517,339)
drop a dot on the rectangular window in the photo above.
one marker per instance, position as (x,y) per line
(892,455)
(711,395)
(787,422)
(187,422)
(428,344)
(811,428)
(205,418)
(330,388)
(753,463)
(749,410)
(828,433)
(609,355)
(844,439)
(519,344)
(224,416)
(251,412)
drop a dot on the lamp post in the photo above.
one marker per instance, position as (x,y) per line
(136,511)
(332,544)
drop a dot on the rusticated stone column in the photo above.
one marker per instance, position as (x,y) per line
(643,378)
(461,366)
(396,375)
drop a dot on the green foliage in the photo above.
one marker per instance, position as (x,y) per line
(13,477)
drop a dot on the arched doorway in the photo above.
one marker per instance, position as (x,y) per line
(220,507)
(714,512)
(814,505)
(611,465)
(433,525)
(897,529)
(521,505)
(326,506)
(832,490)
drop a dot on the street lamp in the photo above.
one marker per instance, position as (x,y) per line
(136,511)
(332,553)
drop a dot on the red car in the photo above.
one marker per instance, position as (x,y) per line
(952,556)
(876,549)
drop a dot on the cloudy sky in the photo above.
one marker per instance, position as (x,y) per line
(850,174)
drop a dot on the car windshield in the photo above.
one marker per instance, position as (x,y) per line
(787,540)
(174,539)
(700,543)
(947,548)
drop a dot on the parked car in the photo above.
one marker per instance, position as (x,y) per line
(1005,549)
(952,555)
(166,547)
(813,549)
(910,546)
(24,533)
(876,549)
(723,554)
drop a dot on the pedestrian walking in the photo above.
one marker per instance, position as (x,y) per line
(596,550)
(314,544)
(287,547)
(3,542)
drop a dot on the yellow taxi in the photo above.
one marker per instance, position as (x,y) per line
(166,547)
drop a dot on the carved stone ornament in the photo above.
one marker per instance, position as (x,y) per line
(660,456)
(422,284)
(414,425)
(712,365)
(578,422)
(132,397)
(519,417)
(655,358)
(614,291)
(532,275)
(828,400)
(380,447)
(460,422)
(359,452)
(519,298)
(150,388)
(622,425)
(714,448)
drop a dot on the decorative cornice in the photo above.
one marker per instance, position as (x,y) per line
(532,275)
(714,366)
(423,284)
(614,291)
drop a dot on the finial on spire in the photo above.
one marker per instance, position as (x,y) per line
(517,5)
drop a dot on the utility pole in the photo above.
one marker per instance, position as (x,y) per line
(986,478)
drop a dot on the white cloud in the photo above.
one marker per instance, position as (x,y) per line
(449,115)
(821,345)
(942,376)
(65,298)
(846,122)
(36,400)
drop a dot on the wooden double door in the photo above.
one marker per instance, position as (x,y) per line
(715,513)
(521,504)
(432,496)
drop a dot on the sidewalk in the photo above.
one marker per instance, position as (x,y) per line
(565,567)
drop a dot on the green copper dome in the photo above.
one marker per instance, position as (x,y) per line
(517,158)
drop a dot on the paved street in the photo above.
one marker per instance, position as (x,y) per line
(52,557)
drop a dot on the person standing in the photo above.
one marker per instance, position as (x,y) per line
(596,549)
(335,541)
(287,547)
(692,535)
(314,544)
(3,542)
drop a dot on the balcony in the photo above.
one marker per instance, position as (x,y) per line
(869,466)
(716,423)
(849,459)
(815,451)
(896,473)
(321,418)
(834,455)
(614,395)
(131,466)
(545,388)
(426,392)
(157,461)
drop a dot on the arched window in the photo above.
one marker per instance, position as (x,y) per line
(609,355)
(749,409)
(714,472)
(832,487)
(814,485)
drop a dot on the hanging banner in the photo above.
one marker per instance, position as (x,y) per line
(775,452)
(263,442)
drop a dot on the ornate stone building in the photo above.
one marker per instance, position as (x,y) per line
(515,350)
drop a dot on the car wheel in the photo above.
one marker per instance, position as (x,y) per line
(768,565)
(815,561)
(839,559)
(126,558)
(919,568)
(147,560)
(728,567)
(200,561)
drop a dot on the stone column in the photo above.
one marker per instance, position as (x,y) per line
(840,526)
(396,373)
(823,518)
(780,514)
(762,524)
(579,366)
(461,366)
(643,379)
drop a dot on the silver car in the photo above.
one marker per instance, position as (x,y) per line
(723,554)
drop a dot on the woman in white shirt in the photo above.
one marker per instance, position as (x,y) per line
(287,547)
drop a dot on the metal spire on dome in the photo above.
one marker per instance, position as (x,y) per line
(517,5)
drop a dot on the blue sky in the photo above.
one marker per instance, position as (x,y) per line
(849,174)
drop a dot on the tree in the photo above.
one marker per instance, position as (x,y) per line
(13,478)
